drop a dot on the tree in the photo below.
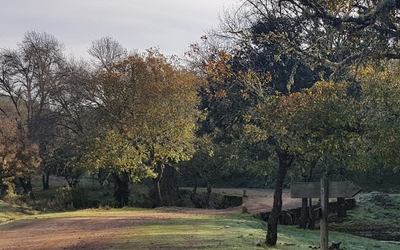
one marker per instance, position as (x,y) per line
(70,123)
(210,163)
(18,157)
(153,104)
(107,51)
(334,35)
(380,108)
(295,40)
(120,157)
(28,75)
(321,123)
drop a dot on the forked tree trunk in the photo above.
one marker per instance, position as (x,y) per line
(285,161)
(156,182)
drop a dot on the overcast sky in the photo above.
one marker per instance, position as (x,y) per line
(170,25)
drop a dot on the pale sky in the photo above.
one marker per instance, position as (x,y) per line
(170,25)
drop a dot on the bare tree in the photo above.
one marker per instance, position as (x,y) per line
(107,51)
(27,76)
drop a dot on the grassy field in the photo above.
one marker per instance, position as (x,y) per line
(178,228)
(172,229)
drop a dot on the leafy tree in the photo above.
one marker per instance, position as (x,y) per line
(380,95)
(68,161)
(335,35)
(211,162)
(153,104)
(18,155)
(321,123)
(121,158)
(300,41)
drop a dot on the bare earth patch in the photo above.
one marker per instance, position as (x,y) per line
(99,231)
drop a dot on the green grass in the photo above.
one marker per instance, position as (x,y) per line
(190,231)
(376,215)
(9,212)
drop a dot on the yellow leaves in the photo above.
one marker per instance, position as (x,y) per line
(247,118)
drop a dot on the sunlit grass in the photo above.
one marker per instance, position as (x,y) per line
(168,229)
(10,212)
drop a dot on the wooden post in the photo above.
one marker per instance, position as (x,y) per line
(324,213)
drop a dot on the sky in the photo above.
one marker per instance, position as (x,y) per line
(170,25)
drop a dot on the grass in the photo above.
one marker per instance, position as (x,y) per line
(190,231)
(9,212)
(218,231)
(376,215)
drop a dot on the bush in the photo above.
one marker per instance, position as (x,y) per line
(62,198)
(67,198)
(137,199)
(80,198)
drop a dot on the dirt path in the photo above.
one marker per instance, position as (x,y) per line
(98,232)
(259,200)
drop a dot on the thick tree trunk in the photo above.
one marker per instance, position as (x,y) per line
(311,214)
(122,191)
(285,161)
(169,182)
(304,214)
(341,208)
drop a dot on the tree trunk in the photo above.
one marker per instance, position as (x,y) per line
(285,161)
(194,192)
(208,195)
(26,185)
(45,180)
(304,214)
(122,191)
(156,182)
(169,183)
(311,214)
(341,208)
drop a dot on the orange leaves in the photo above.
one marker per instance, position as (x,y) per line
(221,93)
(218,68)
(338,7)
(18,155)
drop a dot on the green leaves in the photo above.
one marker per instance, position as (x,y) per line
(118,155)
(381,109)
(149,106)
